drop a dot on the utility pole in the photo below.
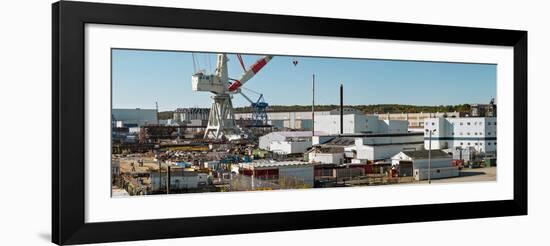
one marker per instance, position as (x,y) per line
(430,155)
(168,181)
(157,108)
(157,150)
(341,108)
(430,159)
(313,105)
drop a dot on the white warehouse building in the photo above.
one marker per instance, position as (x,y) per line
(358,123)
(423,163)
(362,148)
(383,146)
(290,120)
(287,142)
(465,132)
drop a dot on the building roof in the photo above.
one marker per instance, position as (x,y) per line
(266,163)
(423,154)
(341,141)
(327,150)
(359,135)
(297,134)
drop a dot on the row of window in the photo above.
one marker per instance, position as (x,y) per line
(475,133)
(468,143)
(468,123)
(477,123)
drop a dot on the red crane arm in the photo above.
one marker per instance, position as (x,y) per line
(248,74)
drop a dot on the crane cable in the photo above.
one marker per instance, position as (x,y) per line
(241,61)
(250,90)
(194,63)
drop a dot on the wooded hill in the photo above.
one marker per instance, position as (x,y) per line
(367,109)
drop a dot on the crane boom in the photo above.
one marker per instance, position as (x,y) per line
(248,74)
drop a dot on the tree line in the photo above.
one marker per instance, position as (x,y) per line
(367,109)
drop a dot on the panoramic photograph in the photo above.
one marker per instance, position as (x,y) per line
(196,122)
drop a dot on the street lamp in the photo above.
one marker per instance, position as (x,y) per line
(430,155)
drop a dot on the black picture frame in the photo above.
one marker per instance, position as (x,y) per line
(69,19)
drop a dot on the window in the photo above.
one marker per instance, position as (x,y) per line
(452,133)
(475,133)
(495,143)
(433,123)
(489,133)
(461,123)
(468,123)
(461,134)
(468,143)
(461,143)
(475,144)
(468,133)
(495,123)
(489,143)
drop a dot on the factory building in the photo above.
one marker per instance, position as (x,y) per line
(296,172)
(138,117)
(327,155)
(293,146)
(416,120)
(356,122)
(288,120)
(286,142)
(417,163)
(484,110)
(179,179)
(362,148)
(376,147)
(195,116)
(302,120)
(465,132)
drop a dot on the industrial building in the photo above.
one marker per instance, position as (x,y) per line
(362,148)
(327,155)
(179,179)
(484,110)
(186,115)
(287,142)
(301,120)
(416,120)
(299,173)
(356,122)
(137,116)
(376,147)
(464,132)
(417,163)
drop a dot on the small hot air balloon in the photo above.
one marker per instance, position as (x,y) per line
(295,62)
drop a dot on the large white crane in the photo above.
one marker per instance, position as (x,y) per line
(221,121)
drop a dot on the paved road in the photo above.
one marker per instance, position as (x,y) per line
(469,175)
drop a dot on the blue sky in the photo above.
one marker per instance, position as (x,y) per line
(142,77)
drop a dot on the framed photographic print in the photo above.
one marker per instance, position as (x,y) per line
(175,122)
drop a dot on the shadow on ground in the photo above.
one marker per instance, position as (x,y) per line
(467,174)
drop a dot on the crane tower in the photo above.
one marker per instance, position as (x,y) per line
(221,121)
